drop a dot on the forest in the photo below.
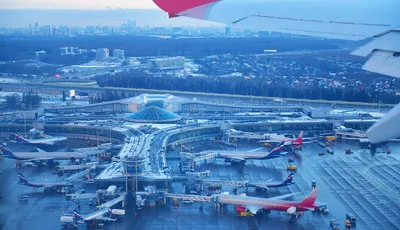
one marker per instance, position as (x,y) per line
(27,101)
(242,86)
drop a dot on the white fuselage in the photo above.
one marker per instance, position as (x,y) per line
(50,140)
(244,155)
(48,155)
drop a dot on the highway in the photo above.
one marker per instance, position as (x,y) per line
(210,97)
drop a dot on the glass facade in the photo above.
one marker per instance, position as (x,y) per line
(194,133)
(84,130)
(359,125)
(153,114)
(285,127)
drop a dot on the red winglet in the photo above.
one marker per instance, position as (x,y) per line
(173,7)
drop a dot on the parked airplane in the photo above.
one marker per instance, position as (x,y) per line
(289,141)
(40,156)
(241,157)
(299,141)
(92,218)
(98,215)
(47,185)
(340,19)
(272,184)
(41,141)
(257,204)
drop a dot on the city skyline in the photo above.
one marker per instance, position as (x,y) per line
(76,4)
(112,17)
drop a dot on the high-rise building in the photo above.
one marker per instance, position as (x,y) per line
(74,50)
(263,33)
(102,53)
(64,50)
(83,52)
(36,27)
(228,30)
(117,53)
(30,32)
(40,53)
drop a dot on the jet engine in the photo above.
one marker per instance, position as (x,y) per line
(291,210)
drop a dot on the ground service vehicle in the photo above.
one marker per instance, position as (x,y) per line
(291,167)
(351,218)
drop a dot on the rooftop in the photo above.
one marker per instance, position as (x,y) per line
(153,114)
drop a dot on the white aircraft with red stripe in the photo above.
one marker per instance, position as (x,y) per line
(256,204)
(377,20)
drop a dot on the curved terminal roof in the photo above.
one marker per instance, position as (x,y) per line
(153,114)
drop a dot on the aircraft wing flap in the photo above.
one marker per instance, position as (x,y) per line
(384,54)
(384,62)
(105,219)
(388,41)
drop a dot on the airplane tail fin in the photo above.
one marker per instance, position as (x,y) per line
(22,179)
(20,138)
(77,217)
(277,150)
(310,199)
(299,139)
(289,179)
(5,150)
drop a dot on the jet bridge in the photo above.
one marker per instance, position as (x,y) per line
(236,184)
(112,202)
(189,197)
(82,196)
(194,158)
(78,175)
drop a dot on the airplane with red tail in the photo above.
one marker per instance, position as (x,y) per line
(257,204)
(299,141)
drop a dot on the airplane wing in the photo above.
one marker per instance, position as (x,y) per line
(50,185)
(105,218)
(238,158)
(261,186)
(48,142)
(253,209)
(340,19)
(38,160)
(283,196)
(386,128)
(271,141)
(40,150)
(254,150)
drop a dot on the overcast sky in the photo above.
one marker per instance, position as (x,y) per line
(76,4)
